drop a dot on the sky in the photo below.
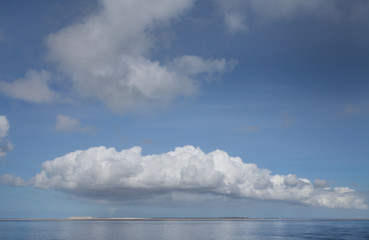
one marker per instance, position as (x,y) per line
(184,108)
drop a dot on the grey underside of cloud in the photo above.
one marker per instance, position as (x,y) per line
(5,146)
(105,174)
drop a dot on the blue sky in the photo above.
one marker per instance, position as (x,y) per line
(252,108)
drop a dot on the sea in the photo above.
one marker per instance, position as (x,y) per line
(185,229)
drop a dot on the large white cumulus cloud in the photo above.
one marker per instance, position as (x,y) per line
(107,56)
(5,146)
(104,173)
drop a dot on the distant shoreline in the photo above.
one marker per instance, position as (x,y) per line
(181,219)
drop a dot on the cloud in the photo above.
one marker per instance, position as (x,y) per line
(194,65)
(69,124)
(8,179)
(4,126)
(351,109)
(107,56)
(320,183)
(106,174)
(240,14)
(235,22)
(32,88)
(5,146)
(234,15)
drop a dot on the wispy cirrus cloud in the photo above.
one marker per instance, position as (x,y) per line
(106,174)
(240,14)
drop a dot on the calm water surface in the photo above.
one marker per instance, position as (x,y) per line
(171,230)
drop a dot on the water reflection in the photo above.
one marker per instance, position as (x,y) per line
(179,230)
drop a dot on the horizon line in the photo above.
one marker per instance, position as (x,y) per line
(178,219)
